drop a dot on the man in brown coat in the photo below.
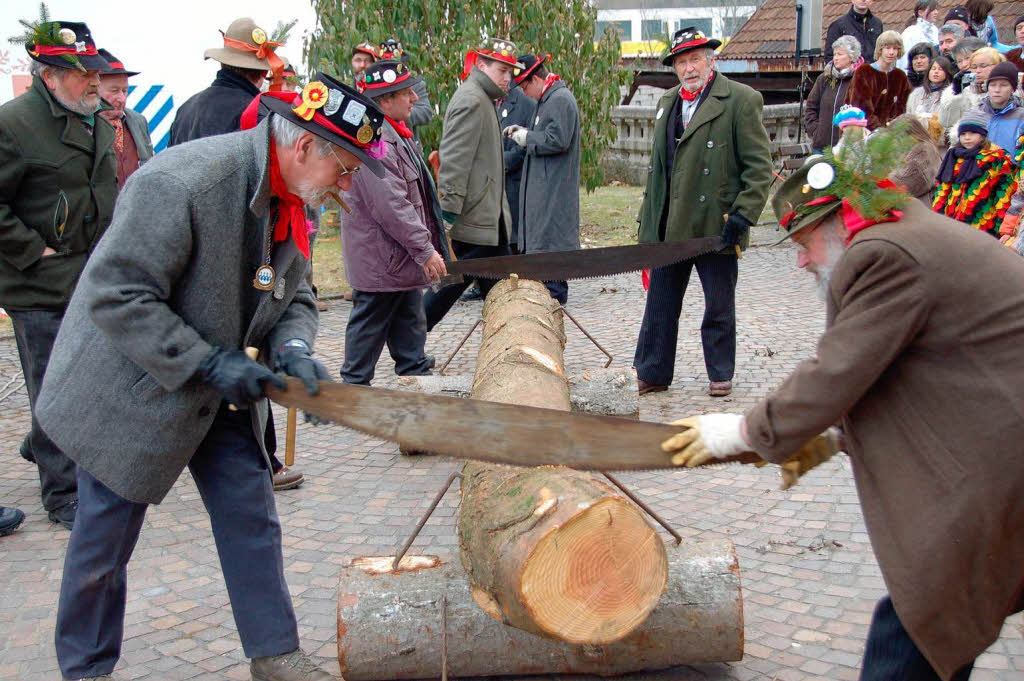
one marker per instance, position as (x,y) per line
(924,374)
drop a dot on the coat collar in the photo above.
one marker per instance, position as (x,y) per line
(228,78)
(709,110)
(259,137)
(557,85)
(75,134)
(480,79)
(866,17)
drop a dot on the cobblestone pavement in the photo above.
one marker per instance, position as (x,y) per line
(809,577)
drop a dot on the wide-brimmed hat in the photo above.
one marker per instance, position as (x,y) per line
(331,110)
(246,46)
(114,65)
(386,76)
(530,62)
(67,44)
(499,50)
(366,47)
(686,39)
(806,197)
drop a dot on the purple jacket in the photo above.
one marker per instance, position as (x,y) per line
(392,229)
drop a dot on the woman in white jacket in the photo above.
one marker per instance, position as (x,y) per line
(921,29)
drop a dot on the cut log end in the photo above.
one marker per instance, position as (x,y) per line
(596,578)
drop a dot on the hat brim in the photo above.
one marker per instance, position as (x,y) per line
(515,65)
(521,78)
(92,62)
(242,60)
(808,220)
(710,44)
(374,93)
(119,72)
(284,109)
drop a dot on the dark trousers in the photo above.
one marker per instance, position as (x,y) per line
(559,290)
(392,318)
(437,303)
(891,654)
(655,356)
(35,331)
(233,481)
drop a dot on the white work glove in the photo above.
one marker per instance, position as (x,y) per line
(711,436)
(517,134)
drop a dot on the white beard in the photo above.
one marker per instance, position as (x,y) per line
(834,249)
(314,197)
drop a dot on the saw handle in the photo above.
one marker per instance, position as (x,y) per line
(252,353)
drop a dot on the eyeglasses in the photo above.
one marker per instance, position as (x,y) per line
(344,170)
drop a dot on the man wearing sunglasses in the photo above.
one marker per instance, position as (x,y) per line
(394,245)
(150,373)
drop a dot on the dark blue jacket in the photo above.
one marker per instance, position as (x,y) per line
(217,110)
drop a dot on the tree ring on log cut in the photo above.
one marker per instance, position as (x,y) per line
(597,577)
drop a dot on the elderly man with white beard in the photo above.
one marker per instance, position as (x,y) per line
(58,184)
(922,370)
(154,355)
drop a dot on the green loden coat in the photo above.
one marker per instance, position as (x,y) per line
(722,164)
(58,184)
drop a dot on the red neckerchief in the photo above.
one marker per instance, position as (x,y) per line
(690,96)
(400,127)
(118,124)
(550,80)
(290,214)
(855,222)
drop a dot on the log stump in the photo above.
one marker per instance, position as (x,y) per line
(549,550)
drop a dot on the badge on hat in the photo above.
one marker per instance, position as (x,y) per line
(314,96)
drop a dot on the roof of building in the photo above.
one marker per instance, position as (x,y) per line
(771,30)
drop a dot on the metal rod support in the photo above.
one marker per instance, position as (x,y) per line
(646,509)
(459,347)
(444,638)
(423,520)
(587,334)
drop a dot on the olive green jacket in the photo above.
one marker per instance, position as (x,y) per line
(58,184)
(722,165)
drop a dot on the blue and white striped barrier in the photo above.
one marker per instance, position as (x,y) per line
(156,103)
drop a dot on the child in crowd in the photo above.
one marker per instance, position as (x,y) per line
(976,178)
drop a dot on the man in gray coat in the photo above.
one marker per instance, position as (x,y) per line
(471,177)
(549,202)
(154,355)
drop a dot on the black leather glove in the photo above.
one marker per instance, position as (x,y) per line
(237,378)
(736,227)
(293,359)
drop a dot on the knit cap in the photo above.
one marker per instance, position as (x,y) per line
(1018,20)
(974,120)
(850,116)
(958,13)
(1005,70)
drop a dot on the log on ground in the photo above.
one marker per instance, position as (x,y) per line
(389,623)
(549,550)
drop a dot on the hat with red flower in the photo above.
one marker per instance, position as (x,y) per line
(686,39)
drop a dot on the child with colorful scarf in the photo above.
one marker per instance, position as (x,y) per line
(976,178)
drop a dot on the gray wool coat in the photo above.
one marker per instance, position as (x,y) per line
(170,280)
(549,198)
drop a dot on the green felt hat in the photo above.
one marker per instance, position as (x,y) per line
(806,197)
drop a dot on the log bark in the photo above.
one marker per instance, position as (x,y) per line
(389,623)
(549,550)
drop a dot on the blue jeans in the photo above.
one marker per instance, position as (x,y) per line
(235,485)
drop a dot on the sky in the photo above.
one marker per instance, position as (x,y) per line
(164,40)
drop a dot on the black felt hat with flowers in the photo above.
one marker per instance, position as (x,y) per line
(386,76)
(67,44)
(686,39)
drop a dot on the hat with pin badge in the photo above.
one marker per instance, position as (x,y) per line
(686,39)
(494,49)
(246,46)
(368,48)
(531,62)
(394,50)
(331,110)
(114,66)
(67,44)
(386,76)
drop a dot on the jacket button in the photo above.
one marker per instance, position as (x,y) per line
(711,144)
(707,172)
(172,351)
(702,198)
(204,412)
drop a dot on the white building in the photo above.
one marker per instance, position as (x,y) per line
(655,21)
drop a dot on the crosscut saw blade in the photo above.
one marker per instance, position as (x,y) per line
(585,263)
(489,431)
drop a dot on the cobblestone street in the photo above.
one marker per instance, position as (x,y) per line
(809,577)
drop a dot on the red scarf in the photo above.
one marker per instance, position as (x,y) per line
(690,96)
(400,127)
(855,222)
(290,214)
(550,80)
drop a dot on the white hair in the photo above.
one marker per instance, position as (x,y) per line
(848,43)
(38,68)
(286,134)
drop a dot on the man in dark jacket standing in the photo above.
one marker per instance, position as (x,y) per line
(515,109)
(710,173)
(394,239)
(472,169)
(132,146)
(244,65)
(858,22)
(58,184)
(162,321)
(549,205)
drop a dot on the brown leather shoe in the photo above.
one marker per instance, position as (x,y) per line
(293,666)
(643,387)
(720,388)
(287,478)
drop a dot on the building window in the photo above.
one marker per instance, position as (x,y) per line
(702,24)
(730,25)
(624,29)
(651,29)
